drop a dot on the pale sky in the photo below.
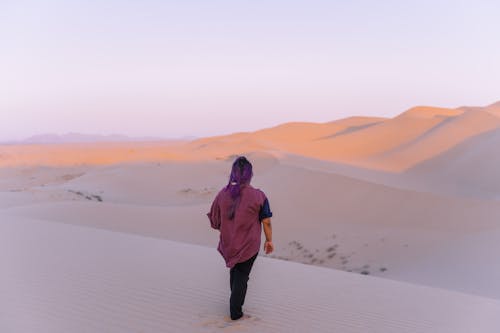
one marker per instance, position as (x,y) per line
(198,68)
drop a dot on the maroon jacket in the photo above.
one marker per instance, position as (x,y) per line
(240,237)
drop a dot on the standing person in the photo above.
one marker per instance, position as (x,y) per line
(237,212)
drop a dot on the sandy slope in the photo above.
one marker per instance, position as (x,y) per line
(494,109)
(393,144)
(414,198)
(355,147)
(349,140)
(351,224)
(435,141)
(59,278)
(470,168)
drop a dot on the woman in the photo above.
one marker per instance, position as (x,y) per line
(237,212)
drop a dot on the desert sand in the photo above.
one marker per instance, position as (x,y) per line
(365,209)
(74,279)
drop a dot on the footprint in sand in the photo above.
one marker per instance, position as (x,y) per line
(225,324)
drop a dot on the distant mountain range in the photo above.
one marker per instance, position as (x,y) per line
(86,138)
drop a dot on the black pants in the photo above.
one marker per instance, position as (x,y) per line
(239,275)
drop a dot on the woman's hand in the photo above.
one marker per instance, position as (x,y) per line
(268,247)
(268,231)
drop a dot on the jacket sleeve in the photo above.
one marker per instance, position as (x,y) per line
(214,214)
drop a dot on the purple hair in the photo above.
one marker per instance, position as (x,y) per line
(241,174)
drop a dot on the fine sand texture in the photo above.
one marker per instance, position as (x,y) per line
(380,225)
(61,278)
(320,218)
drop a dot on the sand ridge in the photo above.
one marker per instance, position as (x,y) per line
(393,145)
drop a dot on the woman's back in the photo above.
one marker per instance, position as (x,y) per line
(240,236)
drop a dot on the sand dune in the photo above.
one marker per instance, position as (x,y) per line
(447,134)
(428,112)
(55,282)
(351,224)
(493,108)
(356,147)
(414,198)
(392,145)
(291,136)
(350,140)
(286,137)
(470,168)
